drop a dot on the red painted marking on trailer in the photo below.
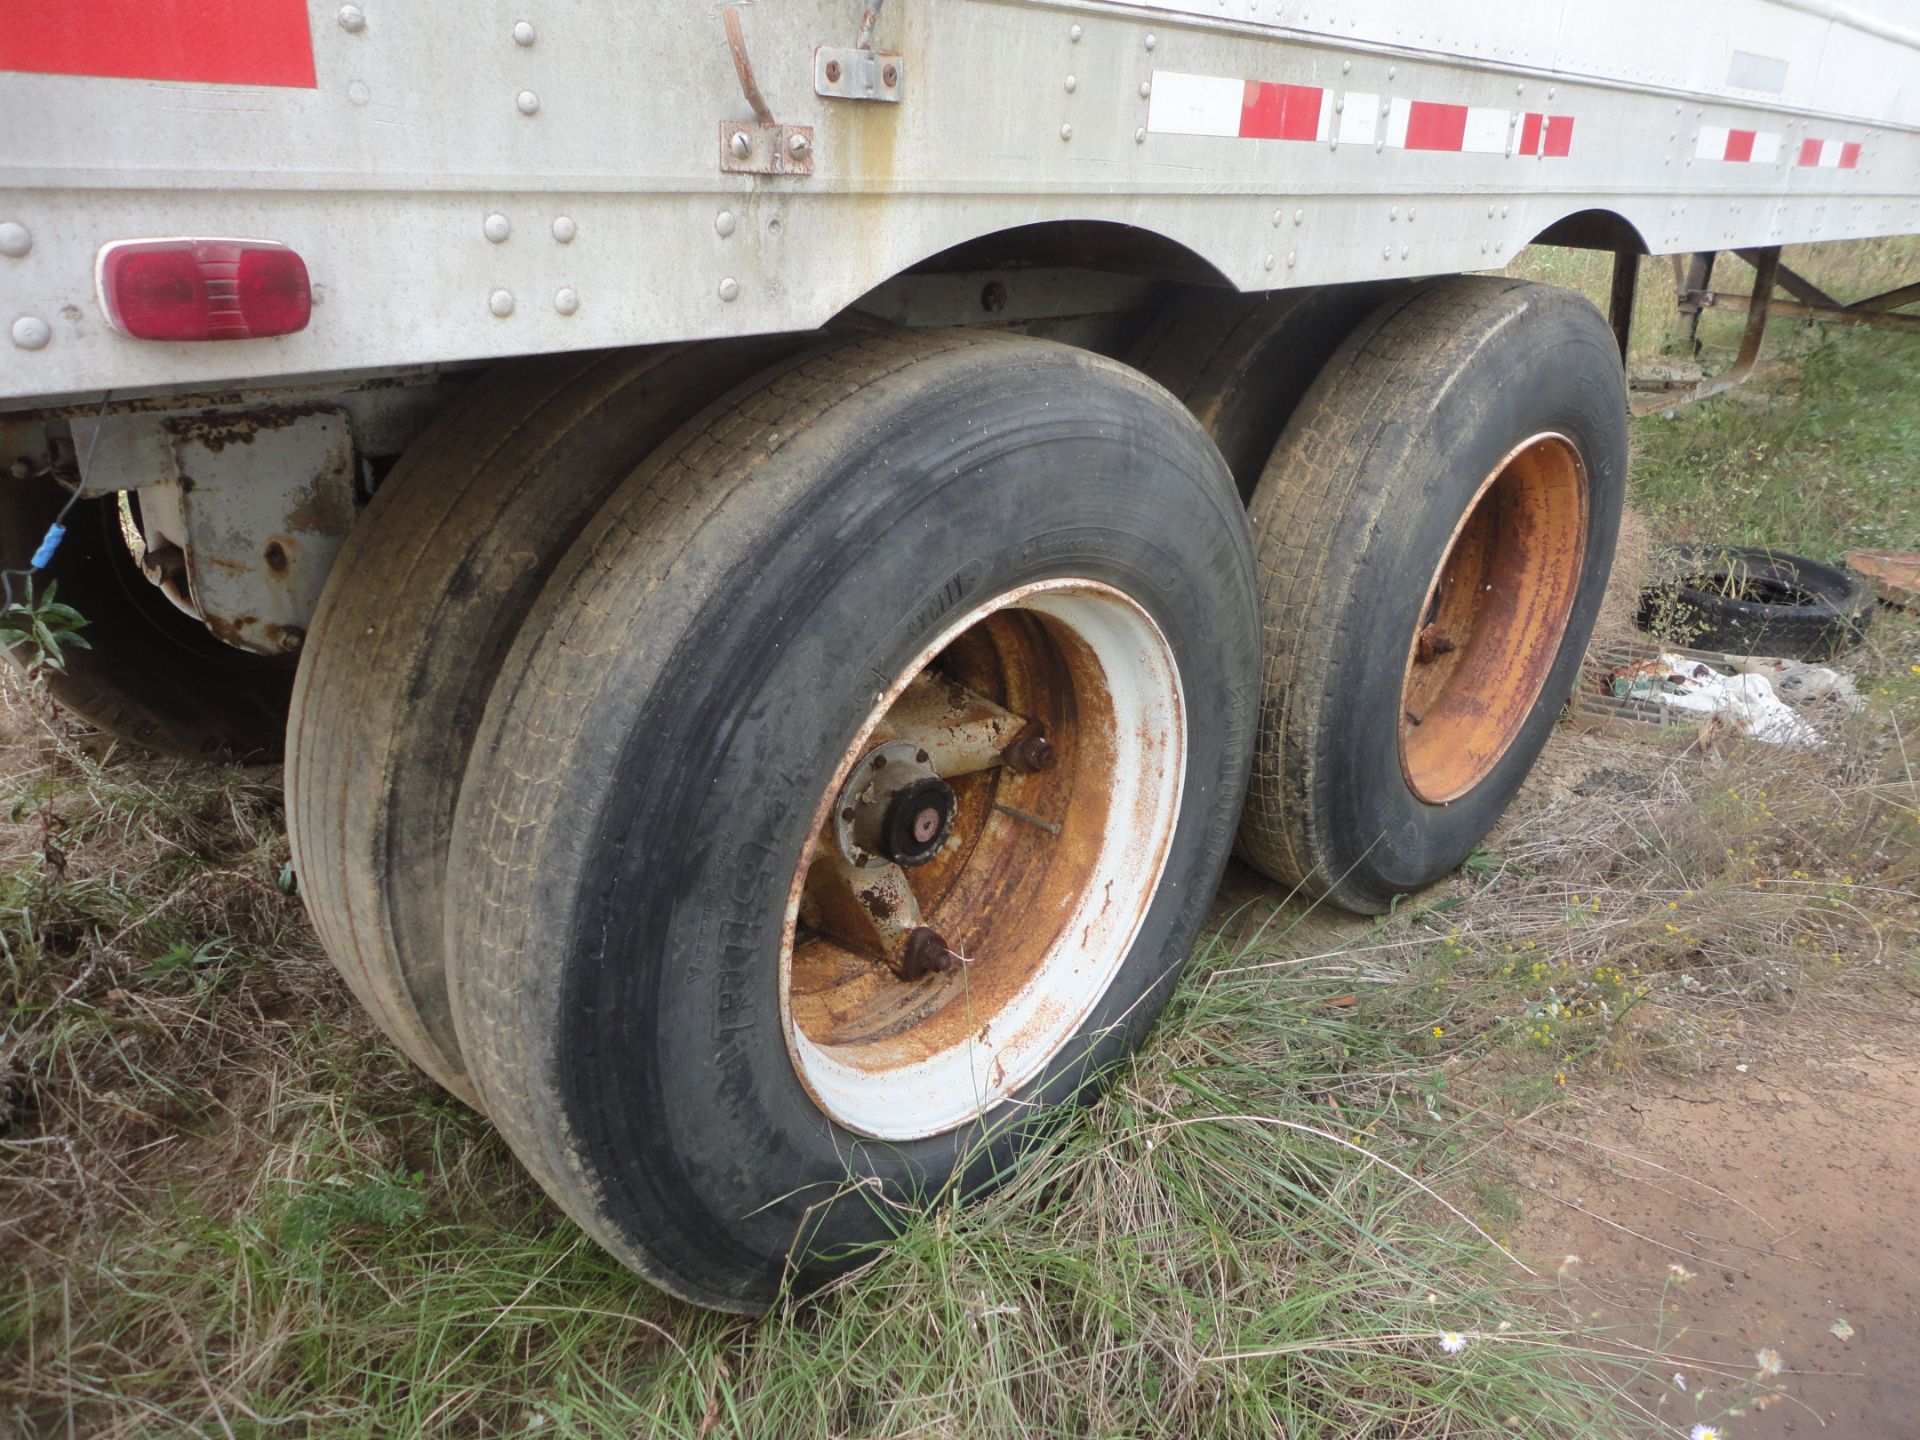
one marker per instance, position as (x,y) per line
(1810,152)
(1850,155)
(1530,132)
(215,42)
(1740,144)
(1432,126)
(1559,140)
(1280,112)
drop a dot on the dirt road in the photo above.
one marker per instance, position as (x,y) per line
(1787,1179)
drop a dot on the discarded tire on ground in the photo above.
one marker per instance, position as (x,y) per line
(418,612)
(850,798)
(150,673)
(1751,601)
(1434,532)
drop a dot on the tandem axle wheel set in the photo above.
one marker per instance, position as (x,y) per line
(754,772)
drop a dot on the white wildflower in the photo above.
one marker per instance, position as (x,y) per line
(1769,1362)
(1452,1341)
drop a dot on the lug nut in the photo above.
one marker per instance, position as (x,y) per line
(925,954)
(1030,751)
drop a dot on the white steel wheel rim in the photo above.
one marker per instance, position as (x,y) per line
(1009,1025)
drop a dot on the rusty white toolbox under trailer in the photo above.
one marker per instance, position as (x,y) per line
(786,544)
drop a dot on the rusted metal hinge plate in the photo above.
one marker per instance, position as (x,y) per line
(845,72)
(748,147)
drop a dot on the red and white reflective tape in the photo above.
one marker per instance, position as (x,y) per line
(1830,154)
(1717,142)
(1762,147)
(1183,104)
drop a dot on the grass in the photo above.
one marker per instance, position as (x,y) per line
(230,1208)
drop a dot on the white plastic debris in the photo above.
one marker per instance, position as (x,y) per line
(1798,683)
(1746,703)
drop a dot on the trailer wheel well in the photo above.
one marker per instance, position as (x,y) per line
(1594,230)
(1082,244)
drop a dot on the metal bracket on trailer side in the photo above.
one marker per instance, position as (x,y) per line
(761,146)
(849,72)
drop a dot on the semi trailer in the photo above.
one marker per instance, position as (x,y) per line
(784,545)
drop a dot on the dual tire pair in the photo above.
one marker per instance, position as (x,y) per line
(589,685)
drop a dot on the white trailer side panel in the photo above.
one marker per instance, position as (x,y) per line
(470,180)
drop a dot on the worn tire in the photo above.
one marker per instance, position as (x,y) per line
(1358,508)
(152,675)
(418,610)
(645,784)
(1753,601)
(1241,363)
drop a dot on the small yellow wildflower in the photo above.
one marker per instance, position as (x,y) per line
(1559,1077)
(1438,1032)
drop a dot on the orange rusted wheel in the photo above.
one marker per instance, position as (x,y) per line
(850,799)
(1435,530)
(996,863)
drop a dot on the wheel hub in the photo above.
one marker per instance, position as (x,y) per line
(985,855)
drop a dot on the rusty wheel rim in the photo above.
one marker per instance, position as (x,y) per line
(916,996)
(1495,612)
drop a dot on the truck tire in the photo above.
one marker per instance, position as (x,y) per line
(1001,583)
(418,611)
(152,675)
(1752,601)
(1434,530)
(1241,363)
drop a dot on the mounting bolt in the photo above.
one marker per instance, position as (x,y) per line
(496,228)
(729,289)
(740,144)
(15,239)
(352,19)
(523,33)
(1066,132)
(1030,751)
(723,224)
(564,229)
(925,954)
(501,303)
(528,102)
(798,145)
(1073,33)
(30,332)
(889,75)
(566,301)
(833,72)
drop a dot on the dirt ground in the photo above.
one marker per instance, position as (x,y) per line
(1786,1177)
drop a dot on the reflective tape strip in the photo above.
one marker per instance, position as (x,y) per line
(1721,142)
(1829,154)
(1211,105)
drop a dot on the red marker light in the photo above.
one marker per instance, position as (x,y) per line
(204,289)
